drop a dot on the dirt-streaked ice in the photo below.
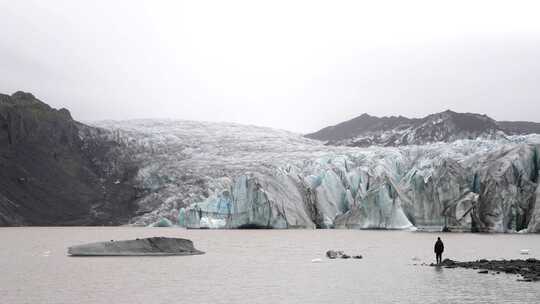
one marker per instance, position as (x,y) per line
(224,175)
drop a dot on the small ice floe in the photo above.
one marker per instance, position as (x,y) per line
(524,251)
(117,182)
(46,253)
(316,261)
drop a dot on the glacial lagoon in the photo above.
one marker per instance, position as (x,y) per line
(260,266)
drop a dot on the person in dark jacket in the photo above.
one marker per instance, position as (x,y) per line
(439,248)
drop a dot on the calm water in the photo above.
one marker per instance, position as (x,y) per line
(259,266)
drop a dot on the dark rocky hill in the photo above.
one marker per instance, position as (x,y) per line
(57,171)
(447,126)
(362,124)
(520,127)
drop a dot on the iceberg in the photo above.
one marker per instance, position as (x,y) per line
(153,246)
(162,223)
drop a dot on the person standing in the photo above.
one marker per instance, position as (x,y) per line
(439,248)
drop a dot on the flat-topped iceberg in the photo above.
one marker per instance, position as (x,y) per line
(154,246)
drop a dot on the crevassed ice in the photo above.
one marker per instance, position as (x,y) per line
(223,175)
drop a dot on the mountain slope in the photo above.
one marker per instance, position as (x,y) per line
(520,127)
(56,171)
(362,124)
(446,126)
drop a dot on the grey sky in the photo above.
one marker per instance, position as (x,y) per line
(296,65)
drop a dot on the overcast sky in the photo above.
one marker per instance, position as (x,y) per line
(295,65)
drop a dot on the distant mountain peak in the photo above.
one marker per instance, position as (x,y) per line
(23,95)
(446,126)
(21,98)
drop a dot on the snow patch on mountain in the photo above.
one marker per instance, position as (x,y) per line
(447,126)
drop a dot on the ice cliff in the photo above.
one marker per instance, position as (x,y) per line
(222,175)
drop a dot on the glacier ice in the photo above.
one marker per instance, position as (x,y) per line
(162,223)
(224,175)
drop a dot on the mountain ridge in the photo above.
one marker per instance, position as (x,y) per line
(447,126)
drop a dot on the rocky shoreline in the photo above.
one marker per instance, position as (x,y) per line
(529,269)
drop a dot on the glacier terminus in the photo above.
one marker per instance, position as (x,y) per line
(226,175)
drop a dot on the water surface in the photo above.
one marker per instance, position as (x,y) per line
(259,266)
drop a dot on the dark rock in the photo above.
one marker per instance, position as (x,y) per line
(357,256)
(331,254)
(529,269)
(57,171)
(448,262)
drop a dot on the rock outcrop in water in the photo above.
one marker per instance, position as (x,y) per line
(57,171)
(333,254)
(154,246)
(529,269)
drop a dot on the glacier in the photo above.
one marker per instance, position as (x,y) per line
(226,175)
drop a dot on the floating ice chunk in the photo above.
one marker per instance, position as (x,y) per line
(212,223)
(162,223)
